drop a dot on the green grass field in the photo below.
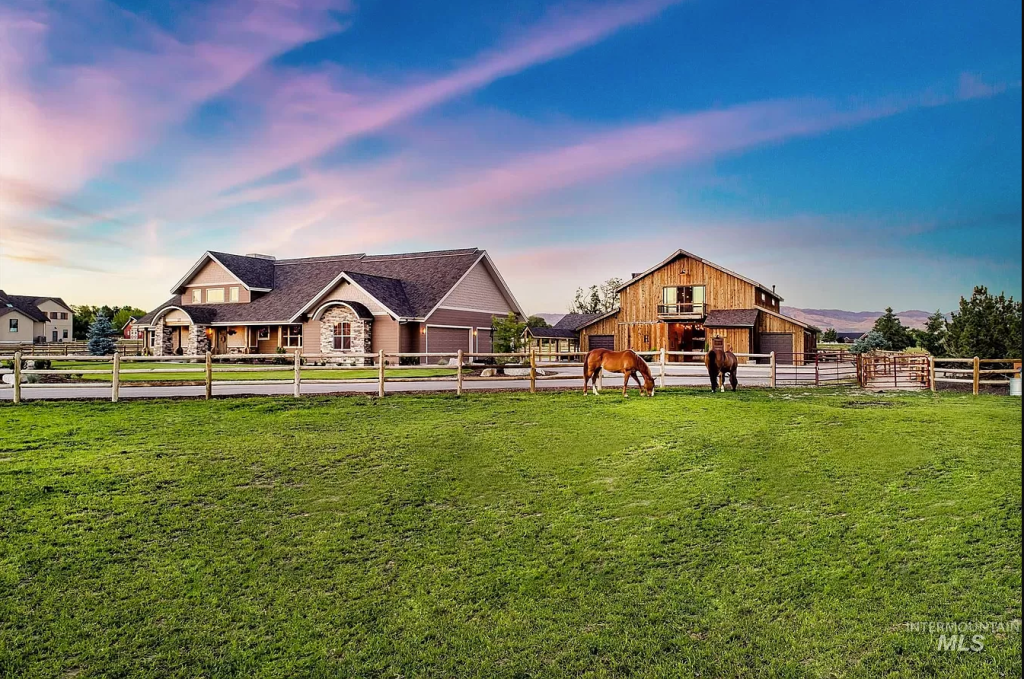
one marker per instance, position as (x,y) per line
(285,373)
(507,535)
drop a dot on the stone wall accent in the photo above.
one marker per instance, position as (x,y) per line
(361,334)
(164,345)
(198,342)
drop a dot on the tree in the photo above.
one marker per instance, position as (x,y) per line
(830,335)
(100,332)
(872,341)
(932,338)
(536,322)
(896,335)
(123,315)
(597,299)
(508,334)
(985,326)
(84,316)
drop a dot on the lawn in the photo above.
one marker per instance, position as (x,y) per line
(285,373)
(507,535)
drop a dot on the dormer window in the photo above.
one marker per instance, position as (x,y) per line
(215,295)
(197,296)
(233,294)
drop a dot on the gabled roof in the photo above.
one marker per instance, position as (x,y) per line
(576,321)
(601,317)
(408,286)
(731,318)
(683,253)
(27,305)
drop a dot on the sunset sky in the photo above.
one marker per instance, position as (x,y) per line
(857,155)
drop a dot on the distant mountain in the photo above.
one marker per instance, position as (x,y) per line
(853,321)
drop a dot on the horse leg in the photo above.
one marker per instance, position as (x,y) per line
(713,373)
(625,383)
(597,382)
(733,380)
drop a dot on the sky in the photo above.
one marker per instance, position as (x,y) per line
(855,155)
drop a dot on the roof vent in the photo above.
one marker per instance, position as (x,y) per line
(261,256)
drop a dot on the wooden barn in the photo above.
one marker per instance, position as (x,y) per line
(685,302)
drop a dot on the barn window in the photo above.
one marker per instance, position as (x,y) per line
(343,336)
(684,299)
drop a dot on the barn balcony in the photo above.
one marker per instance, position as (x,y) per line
(683,311)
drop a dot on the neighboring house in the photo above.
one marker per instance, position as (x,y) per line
(685,302)
(849,337)
(562,337)
(131,330)
(332,306)
(26,319)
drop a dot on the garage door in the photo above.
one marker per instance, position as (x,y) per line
(779,342)
(447,340)
(602,342)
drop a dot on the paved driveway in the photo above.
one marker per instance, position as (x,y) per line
(563,378)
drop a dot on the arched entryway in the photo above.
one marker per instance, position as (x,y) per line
(176,334)
(346,327)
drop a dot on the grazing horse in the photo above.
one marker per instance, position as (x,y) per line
(626,362)
(719,362)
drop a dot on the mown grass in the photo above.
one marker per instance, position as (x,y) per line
(285,373)
(751,534)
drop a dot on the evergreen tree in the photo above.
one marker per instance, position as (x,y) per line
(896,335)
(100,332)
(986,326)
(932,338)
(869,342)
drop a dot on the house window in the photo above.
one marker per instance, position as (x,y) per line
(65,335)
(152,338)
(688,299)
(343,336)
(12,326)
(63,315)
(292,335)
(54,315)
(234,294)
(214,295)
(197,296)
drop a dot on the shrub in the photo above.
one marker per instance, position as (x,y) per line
(872,341)
(41,364)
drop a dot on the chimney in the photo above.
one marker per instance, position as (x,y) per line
(773,289)
(260,256)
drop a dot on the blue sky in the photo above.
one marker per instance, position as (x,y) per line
(857,155)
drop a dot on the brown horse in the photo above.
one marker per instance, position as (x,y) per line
(626,362)
(719,362)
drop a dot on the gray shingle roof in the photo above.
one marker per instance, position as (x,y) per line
(27,304)
(576,321)
(732,318)
(553,333)
(410,285)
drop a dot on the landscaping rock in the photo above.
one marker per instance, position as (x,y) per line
(488,372)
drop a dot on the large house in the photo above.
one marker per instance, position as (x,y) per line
(685,302)
(28,319)
(332,306)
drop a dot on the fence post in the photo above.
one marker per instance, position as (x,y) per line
(661,377)
(533,370)
(931,372)
(115,378)
(817,374)
(209,375)
(458,374)
(771,369)
(977,375)
(380,374)
(17,377)
(298,373)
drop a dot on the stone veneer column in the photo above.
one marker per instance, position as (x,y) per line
(164,345)
(361,333)
(198,342)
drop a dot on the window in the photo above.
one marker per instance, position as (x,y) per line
(687,299)
(12,326)
(197,296)
(215,295)
(152,337)
(292,335)
(65,334)
(54,315)
(343,336)
(64,316)
(234,294)
(263,333)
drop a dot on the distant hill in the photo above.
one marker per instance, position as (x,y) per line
(842,321)
(853,321)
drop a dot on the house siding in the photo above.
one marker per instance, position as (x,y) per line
(214,274)
(27,328)
(345,291)
(478,290)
